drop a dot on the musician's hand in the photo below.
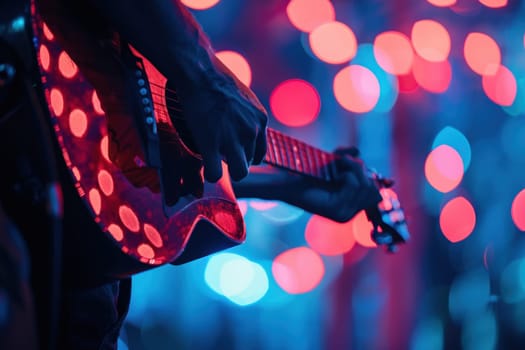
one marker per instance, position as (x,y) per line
(227,122)
(341,200)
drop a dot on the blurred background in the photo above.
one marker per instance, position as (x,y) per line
(433,94)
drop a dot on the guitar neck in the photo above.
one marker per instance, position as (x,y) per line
(294,155)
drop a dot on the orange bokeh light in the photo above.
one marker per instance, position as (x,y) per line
(45,59)
(442,3)
(78,122)
(356,89)
(129,218)
(444,168)
(298,270)
(438,81)
(482,53)
(494,3)
(96,103)
(200,4)
(306,15)
(457,219)
(362,229)
(431,40)
(393,52)
(57,101)
(502,87)
(105,182)
(146,251)
(328,237)
(237,64)
(66,66)
(333,42)
(153,235)
(116,232)
(104,147)
(95,200)
(518,210)
(295,102)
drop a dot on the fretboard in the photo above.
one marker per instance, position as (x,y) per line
(297,156)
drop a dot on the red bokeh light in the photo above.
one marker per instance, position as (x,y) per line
(298,270)
(518,210)
(328,237)
(333,42)
(482,53)
(393,52)
(237,64)
(431,40)
(438,81)
(306,15)
(295,102)
(356,89)
(457,219)
(501,87)
(444,168)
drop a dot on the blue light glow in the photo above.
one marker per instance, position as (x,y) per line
(455,139)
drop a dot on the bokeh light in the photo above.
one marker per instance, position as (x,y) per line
(455,139)
(237,278)
(438,81)
(482,53)
(78,122)
(366,56)
(393,52)
(444,168)
(328,237)
(431,40)
(518,210)
(237,64)
(457,219)
(333,42)
(298,270)
(66,66)
(295,102)
(356,89)
(494,3)
(501,87)
(306,15)
(200,4)
(442,3)
(362,230)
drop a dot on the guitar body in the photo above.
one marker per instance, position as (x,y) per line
(126,155)
(147,212)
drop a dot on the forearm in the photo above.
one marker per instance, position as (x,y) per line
(265,183)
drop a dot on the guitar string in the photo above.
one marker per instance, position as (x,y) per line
(285,144)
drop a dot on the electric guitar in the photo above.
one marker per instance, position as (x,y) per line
(134,163)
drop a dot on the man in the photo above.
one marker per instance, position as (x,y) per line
(225,118)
